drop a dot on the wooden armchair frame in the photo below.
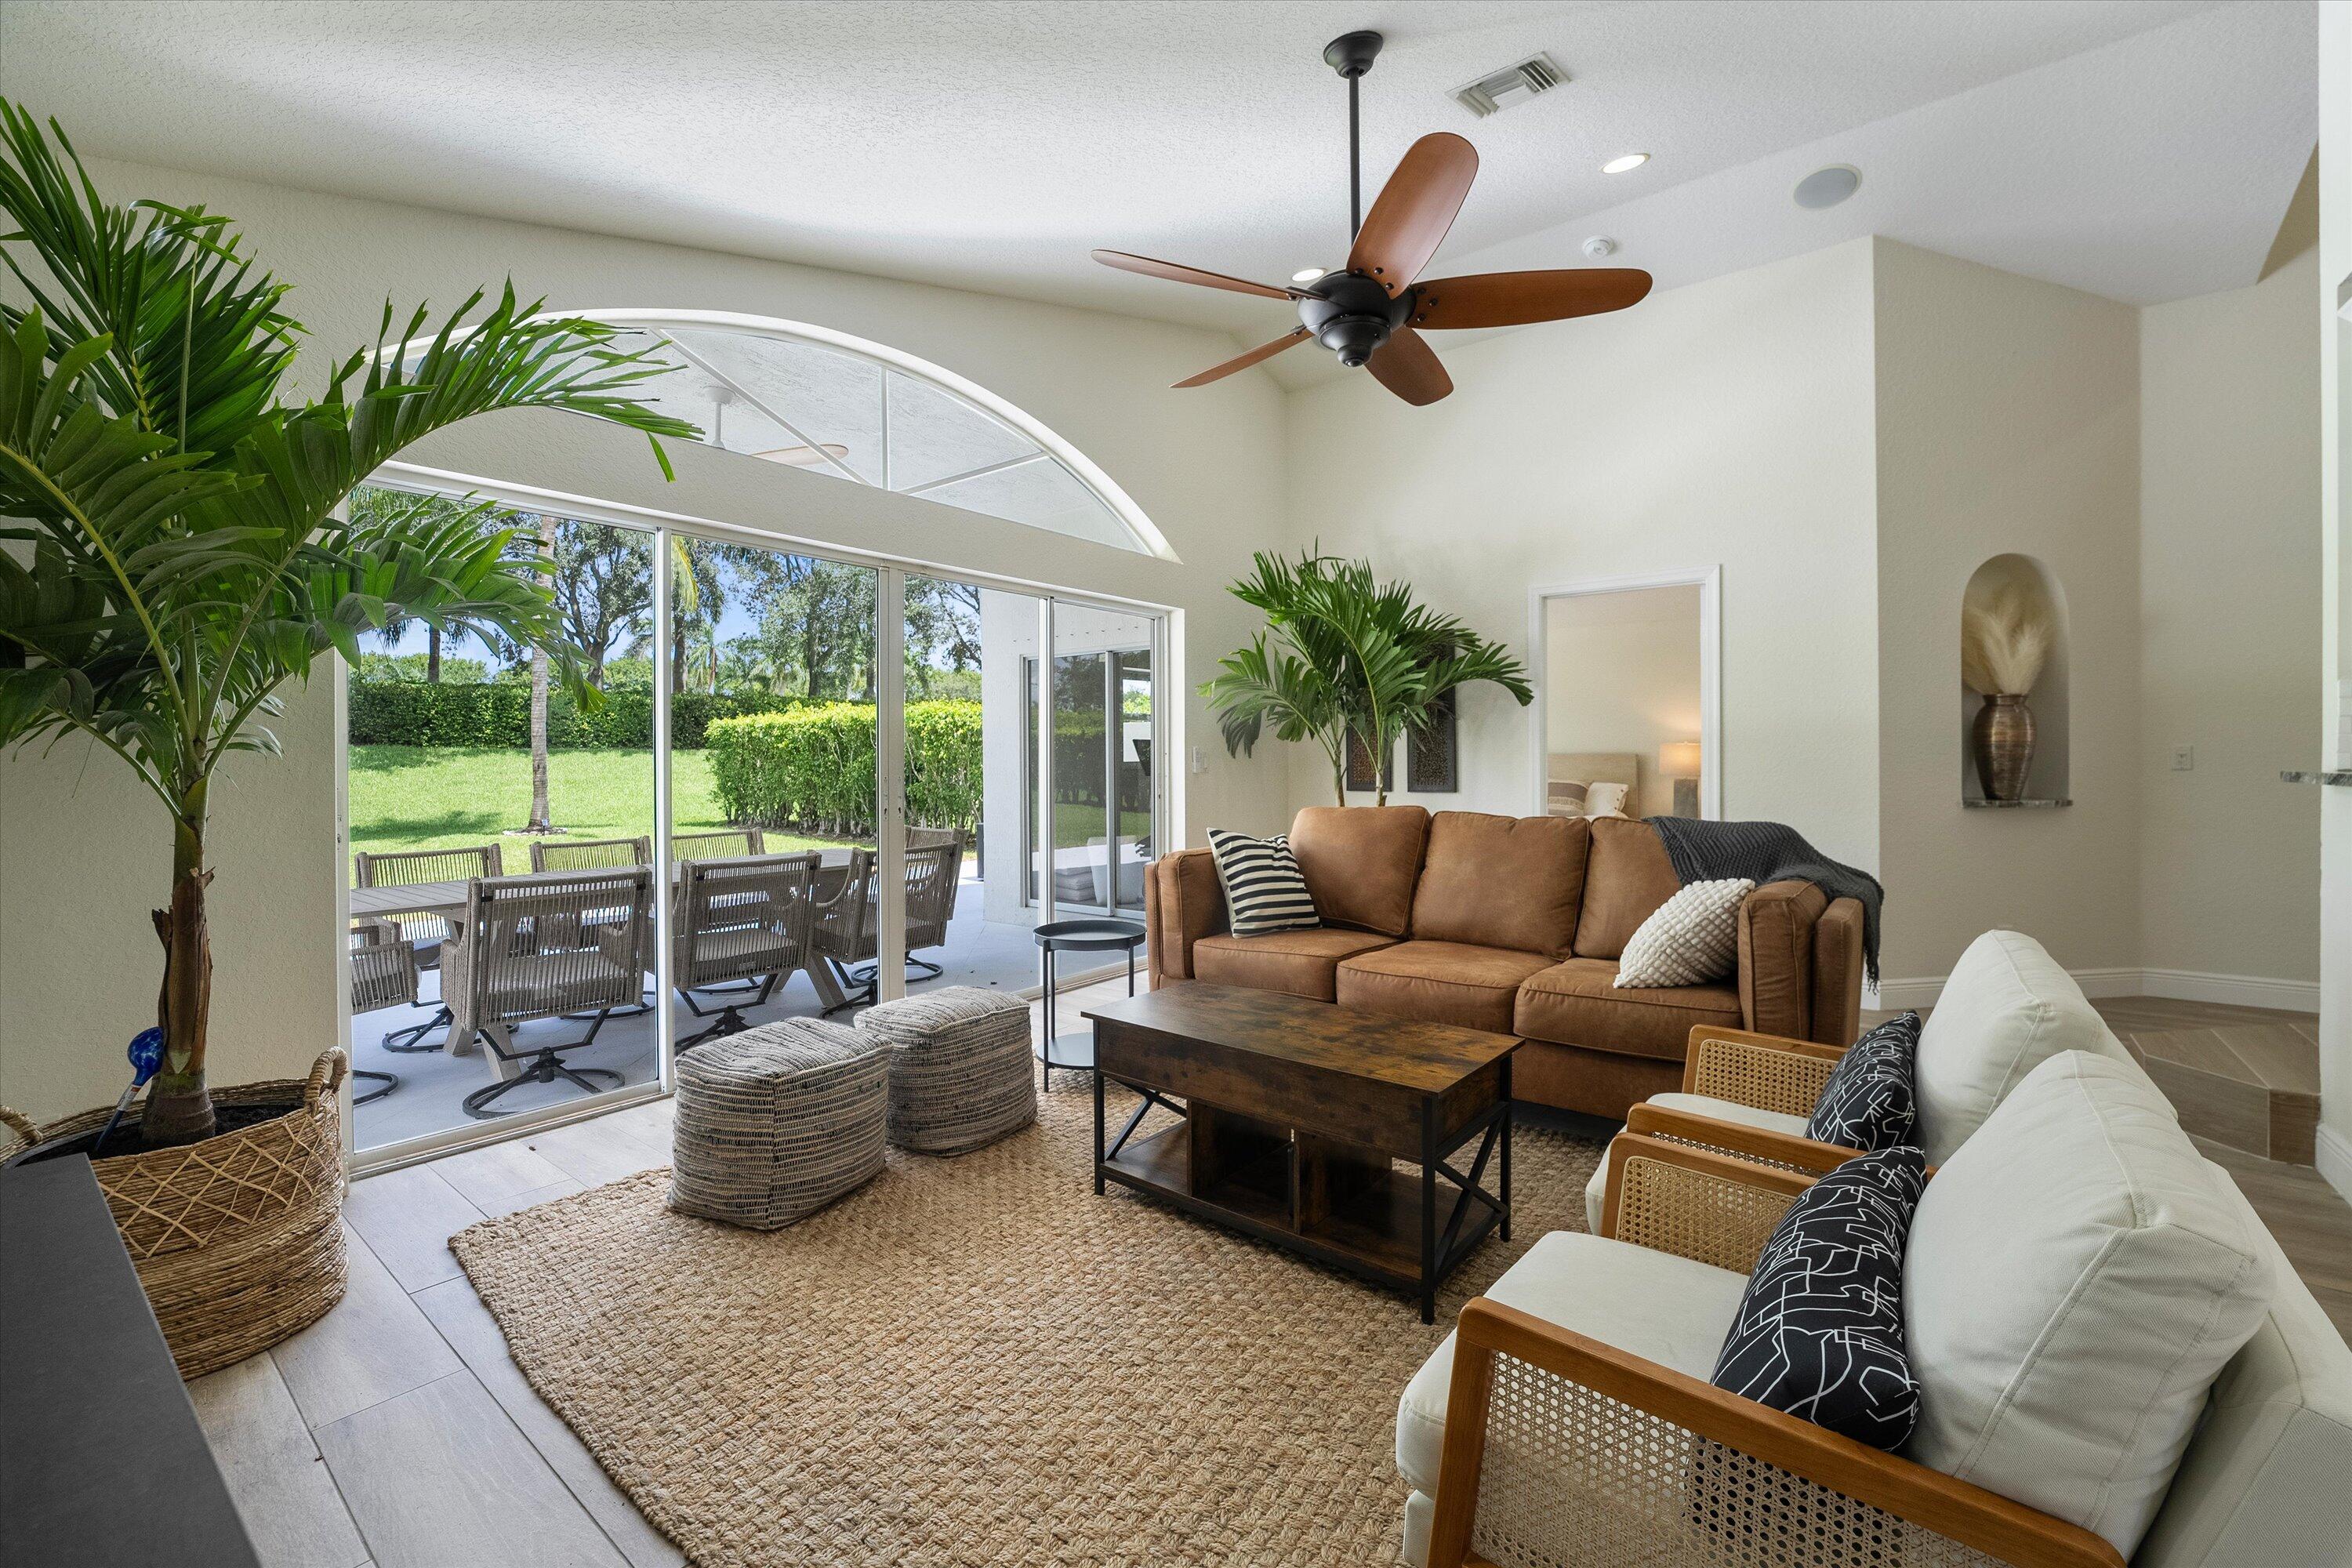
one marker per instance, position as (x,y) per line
(1620,1460)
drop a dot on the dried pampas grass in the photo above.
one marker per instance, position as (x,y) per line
(2007,627)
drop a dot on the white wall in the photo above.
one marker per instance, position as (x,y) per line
(1622,674)
(2335,587)
(82,861)
(2229,612)
(2008,420)
(1727,422)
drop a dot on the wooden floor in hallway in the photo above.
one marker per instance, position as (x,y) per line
(397,1433)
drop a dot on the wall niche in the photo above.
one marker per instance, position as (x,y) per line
(2013,632)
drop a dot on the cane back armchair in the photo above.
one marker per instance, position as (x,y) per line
(1563,1450)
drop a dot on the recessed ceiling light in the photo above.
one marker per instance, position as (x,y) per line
(1307,275)
(1827,187)
(1620,165)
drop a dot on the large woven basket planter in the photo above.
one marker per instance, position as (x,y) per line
(238,1239)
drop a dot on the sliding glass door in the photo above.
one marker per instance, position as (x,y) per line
(797,785)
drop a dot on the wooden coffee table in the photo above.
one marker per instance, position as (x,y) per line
(1294,1114)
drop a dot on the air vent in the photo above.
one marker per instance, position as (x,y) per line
(1512,85)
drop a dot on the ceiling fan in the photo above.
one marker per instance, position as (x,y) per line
(1367,311)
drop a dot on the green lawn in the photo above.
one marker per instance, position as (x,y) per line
(438,797)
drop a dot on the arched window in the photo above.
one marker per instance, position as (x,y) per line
(840,406)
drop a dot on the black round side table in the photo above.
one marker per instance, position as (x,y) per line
(1076,1053)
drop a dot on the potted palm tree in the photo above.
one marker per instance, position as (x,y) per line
(1345,655)
(175,557)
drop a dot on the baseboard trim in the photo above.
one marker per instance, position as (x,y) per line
(2181,984)
(2333,1155)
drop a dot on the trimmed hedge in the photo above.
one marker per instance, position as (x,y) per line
(813,768)
(418,713)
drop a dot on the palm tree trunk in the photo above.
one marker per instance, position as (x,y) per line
(540,822)
(433,655)
(179,1107)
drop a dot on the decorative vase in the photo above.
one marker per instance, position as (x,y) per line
(239,1237)
(2003,742)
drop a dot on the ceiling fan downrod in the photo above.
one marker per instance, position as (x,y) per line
(1351,54)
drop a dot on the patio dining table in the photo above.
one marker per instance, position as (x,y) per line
(448,898)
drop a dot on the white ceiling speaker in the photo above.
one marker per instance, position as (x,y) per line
(1827,187)
(1598,245)
(1511,86)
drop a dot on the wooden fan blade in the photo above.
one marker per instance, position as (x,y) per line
(1415,209)
(1516,299)
(1407,366)
(1263,351)
(1175,272)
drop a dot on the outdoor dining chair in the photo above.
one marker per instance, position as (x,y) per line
(383,975)
(424,932)
(598,855)
(742,927)
(732,845)
(849,923)
(506,967)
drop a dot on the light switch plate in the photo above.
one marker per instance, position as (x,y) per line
(1200,759)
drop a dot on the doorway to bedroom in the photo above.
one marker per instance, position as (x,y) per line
(1626,706)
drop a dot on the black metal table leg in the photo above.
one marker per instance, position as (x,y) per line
(1098,1132)
(1428,1211)
(1506,1177)
(1045,1074)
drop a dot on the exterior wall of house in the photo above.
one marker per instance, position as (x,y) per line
(82,857)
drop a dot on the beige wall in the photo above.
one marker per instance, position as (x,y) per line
(2008,420)
(1727,422)
(1622,675)
(2334,525)
(82,859)
(2229,612)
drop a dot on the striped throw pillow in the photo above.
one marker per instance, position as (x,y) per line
(1264,888)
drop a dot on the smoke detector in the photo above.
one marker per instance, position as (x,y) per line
(1512,85)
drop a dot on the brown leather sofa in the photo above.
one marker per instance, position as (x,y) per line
(1514,924)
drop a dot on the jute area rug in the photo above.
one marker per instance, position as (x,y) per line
(977,1361)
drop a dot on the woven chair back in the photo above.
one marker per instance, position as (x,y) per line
(732,845)
(590,854)
(556,942)
(744,918)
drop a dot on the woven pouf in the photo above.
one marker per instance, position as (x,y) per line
(777,1122)
(961,1074)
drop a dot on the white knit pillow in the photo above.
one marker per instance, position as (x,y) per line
(1689,939)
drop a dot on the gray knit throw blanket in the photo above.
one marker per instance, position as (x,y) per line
(1769,852)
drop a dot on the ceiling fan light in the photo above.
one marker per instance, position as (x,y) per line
(1307,275)
(1625,164)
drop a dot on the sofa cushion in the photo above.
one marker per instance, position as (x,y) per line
(1264,892)
(2007,1009)
(1301,962)
(1443,981)
(2077,1277)
(1626,879)
(1653,1305)
(1596,1190)
(1360,862)
(1579,1003)
(1502,881)
(1692,939)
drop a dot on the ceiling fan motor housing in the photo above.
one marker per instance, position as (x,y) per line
(1352,315)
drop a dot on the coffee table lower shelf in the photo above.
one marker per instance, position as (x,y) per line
(1347,1208)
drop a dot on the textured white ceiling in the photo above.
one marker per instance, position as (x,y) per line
(2143,148)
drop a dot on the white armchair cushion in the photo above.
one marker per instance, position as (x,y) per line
(1596,1191)
(2007,1009)
(2076,1278)
(1655,1305)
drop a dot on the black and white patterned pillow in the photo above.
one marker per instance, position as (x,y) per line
(1264,890)
(1820,1331)
(1868,1103)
